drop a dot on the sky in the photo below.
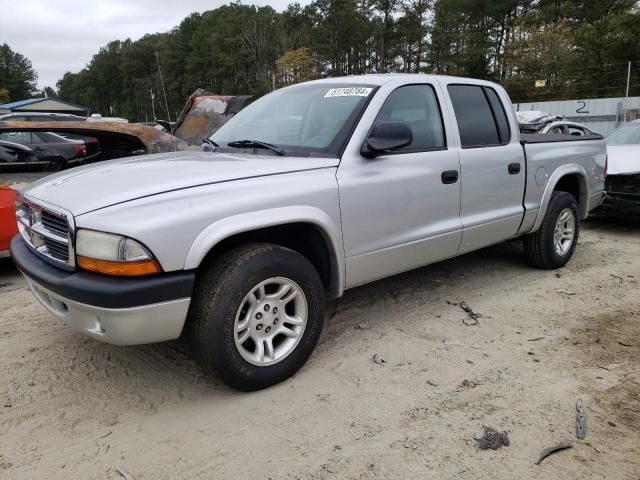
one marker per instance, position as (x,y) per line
(62,35)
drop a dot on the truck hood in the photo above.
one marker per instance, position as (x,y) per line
(623,159)
(84,189)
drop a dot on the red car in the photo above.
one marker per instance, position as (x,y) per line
(8,227)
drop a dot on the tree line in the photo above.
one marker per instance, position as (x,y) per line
(577,48)
(17,76)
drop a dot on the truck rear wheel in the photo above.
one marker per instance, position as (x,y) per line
(256,315)
(552,246)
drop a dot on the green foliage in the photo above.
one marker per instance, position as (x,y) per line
(579,47)
(295,66)
(17,76)
(4,95)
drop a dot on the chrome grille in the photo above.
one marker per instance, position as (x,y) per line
(46,231)
(55,223)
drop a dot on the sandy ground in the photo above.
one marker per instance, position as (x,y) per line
(73,408)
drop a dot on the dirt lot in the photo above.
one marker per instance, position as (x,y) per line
(73,408)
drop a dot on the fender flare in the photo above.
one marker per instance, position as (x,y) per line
(246,222)
(562,171)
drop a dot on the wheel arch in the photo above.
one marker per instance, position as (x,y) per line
(307,230)
(567,178)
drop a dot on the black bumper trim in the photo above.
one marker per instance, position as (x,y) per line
(101,290)
(617,204)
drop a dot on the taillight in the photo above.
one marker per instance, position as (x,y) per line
(92,140)
(79,148)
(606,164)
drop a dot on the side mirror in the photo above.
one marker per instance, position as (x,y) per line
(386,137)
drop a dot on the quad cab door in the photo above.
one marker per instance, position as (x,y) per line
(492,166)
(401,210)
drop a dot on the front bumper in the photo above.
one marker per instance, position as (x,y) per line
(623,196)
(121,311)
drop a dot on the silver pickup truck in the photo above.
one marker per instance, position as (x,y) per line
(311,190)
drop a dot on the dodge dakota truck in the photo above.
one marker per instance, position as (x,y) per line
(310,190)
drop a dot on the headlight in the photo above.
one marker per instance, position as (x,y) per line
(113,255)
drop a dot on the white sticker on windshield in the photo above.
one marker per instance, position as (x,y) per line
(348,92)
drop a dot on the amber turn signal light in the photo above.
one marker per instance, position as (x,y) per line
(119,269)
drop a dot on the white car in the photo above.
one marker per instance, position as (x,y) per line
(623,172)
(536,121)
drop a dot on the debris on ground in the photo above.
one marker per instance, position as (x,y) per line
(8,286)
(362,326)
(558,275)
(468,383)
(448,344)
(566,292)
(611,424)
(616,276)
(379,359)
(581,421)
(535,339)
(490,438)
(123,474)
(433,384)
(625,344)
(551,450)
(472,317)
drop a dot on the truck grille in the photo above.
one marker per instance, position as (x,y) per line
(47,232)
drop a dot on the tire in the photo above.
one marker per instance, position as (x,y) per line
(540,247)
(227,296)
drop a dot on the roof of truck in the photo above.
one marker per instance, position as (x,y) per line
(383,78)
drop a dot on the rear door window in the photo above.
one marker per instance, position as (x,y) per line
(482,121)
(499,115)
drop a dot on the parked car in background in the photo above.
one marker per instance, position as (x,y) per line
(535,121)
(15,155)
(623,173)
(96,117)
(310,190)
(54,152)
(91,142)
(41,117)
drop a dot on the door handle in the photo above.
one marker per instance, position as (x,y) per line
(514,168)
(449,176)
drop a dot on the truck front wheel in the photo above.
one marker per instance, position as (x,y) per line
(256,315)
(552,246)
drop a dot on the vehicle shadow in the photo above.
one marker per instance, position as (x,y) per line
(603,224)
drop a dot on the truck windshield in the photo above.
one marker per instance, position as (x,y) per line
(626,135)
(310,119)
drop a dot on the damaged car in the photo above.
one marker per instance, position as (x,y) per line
(202,115)
(536,121)
(622,182)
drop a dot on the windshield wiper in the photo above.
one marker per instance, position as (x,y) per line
(256,144)
(208,142)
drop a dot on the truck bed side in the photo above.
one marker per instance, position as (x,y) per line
(562,162)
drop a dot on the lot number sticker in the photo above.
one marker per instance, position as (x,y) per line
(348,92)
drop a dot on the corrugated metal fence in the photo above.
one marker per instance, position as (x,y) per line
(601,115)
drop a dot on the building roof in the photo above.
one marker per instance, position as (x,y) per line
(46,104)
